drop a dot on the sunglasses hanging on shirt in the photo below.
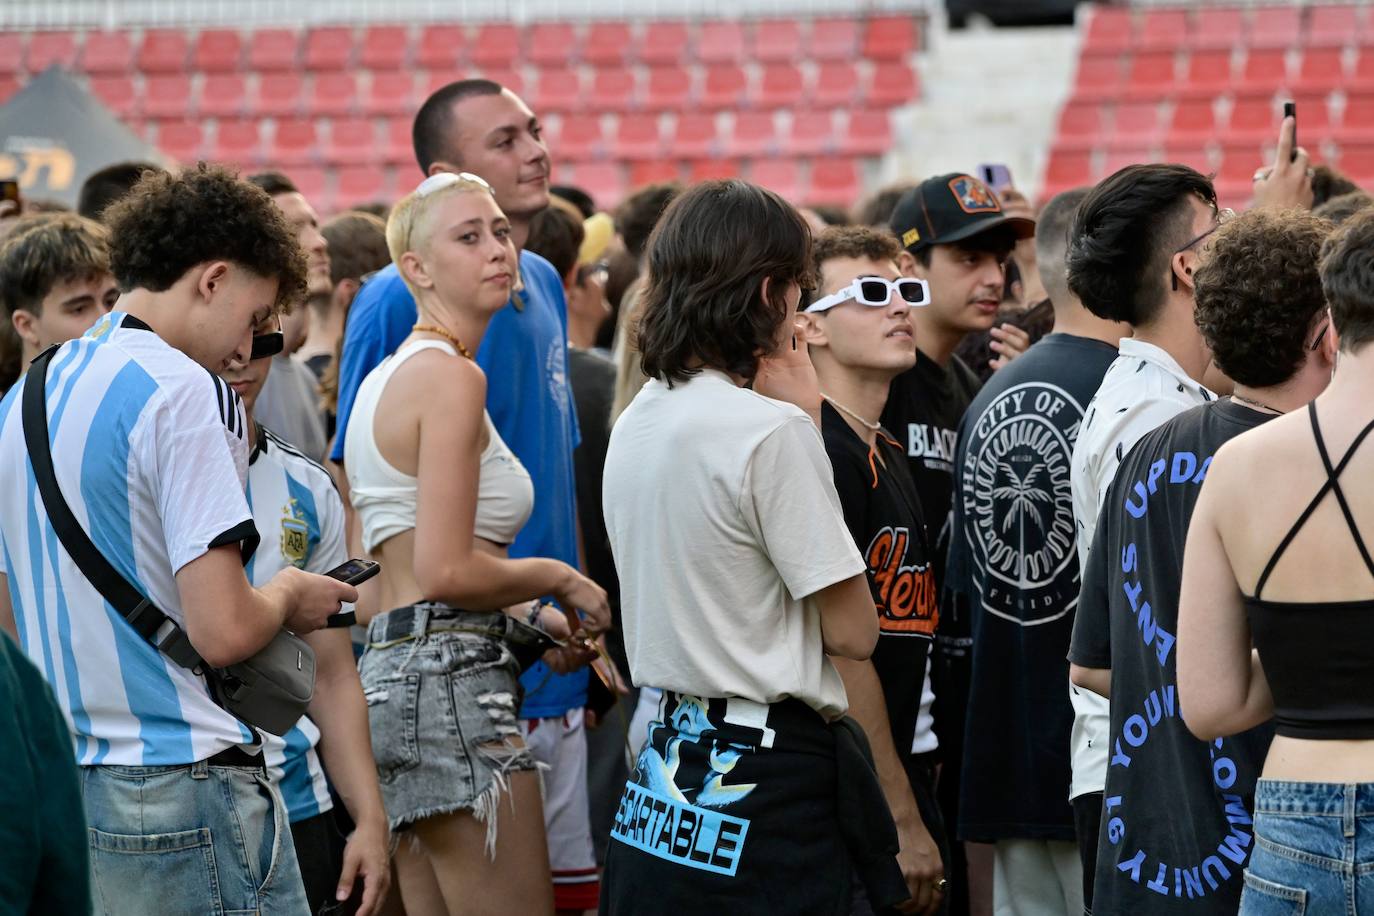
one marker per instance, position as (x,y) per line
(875,292)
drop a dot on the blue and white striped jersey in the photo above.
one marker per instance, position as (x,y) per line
(300,518)
(151,453)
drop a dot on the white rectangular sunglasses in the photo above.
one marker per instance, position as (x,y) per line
(875,292)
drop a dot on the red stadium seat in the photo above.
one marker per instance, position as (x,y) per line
(834,181)
(1321,70)
(710,169)
(118,94)
(11,52)
(399,145)
(1117,159)
(866,133)
(222,95)
(1110,31)
(1275,26)
(889,38)
(696,136)
(1152,75)
(893,83)
(782,86)
(604,181)
(1357,162)
(781,176)
(48,48)
(388,93)
(755,135)
(167,96)
(329,48)
(552,44)
(614,89)
(579,137)
(8,87)
(557,90)
(1217,27)
(1134,125)
(333,94)
(726,85)
(238,142)
(313,183)
(1098,78)
(182,140)
(274,49)
(278,95)
(1357,126)
(164,51)
(1266,71)
(637,137)
(441,47)
(386,47)
(1081,125)
(1193,155)
(812,133)
(107,52)
(1329,26)
(777,41)
(1253,121)
(1068,168)
(1208,73)
(494,45)
(653,171)
(352,141)
(665,43)
(1193,121)
(294,141)
(218,50)
(608,43)
(837,84)
(511,79)
(1317,126)
(1362,77)
(1238,165)
(669,89)
(720,42)
(1164,29)
(360,184)
(834,40)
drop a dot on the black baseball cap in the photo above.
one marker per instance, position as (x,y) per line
(950,208)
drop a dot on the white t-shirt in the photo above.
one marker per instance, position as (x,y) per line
(723,518)
(150,452)
(1143,389)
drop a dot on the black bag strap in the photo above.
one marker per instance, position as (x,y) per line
(146,619)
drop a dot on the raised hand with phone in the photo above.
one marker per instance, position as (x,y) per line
(1288,182)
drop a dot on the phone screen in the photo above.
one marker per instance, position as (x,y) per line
(9,190)
(354,571)
(995,175)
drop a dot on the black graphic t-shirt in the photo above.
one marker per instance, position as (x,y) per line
(884,515)
(1013,571)
(1176,819)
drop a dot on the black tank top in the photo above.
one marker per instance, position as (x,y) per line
(1318,656)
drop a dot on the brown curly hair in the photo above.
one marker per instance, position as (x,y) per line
(1257,291)
(167,224)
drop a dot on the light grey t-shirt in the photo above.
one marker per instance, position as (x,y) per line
(289,405)
(723,519)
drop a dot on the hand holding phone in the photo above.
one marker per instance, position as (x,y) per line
(996,176)
(353,572)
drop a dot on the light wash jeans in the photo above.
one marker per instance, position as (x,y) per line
(195,839)
(1314,850)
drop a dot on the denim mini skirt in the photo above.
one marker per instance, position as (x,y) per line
(1314,849)
(443,694)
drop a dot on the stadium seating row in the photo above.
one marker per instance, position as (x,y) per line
(1114,29)
(1201,73)
(446,46)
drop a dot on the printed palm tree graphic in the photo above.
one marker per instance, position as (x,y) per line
(1024,495)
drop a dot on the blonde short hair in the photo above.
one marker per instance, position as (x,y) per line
(407,223)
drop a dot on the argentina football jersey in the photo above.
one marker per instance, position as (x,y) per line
(150,452)
(299,516)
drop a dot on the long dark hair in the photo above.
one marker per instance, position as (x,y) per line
(708,258)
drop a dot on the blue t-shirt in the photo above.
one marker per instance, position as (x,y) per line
(525,357)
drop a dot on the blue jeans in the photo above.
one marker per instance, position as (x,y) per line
(194,839)
(1314,850)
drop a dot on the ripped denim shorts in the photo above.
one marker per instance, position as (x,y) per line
(443,694)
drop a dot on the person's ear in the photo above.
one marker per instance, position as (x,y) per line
(811,328)
(908,266)
(436,168)
(212,279)
(26,326)
(344,291)
(1182,264)
(1331,343)
(413,268)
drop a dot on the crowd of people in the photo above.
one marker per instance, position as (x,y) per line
(484,552)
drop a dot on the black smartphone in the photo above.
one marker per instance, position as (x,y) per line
(1290,110)
(355,571)
(9,192)
(995,175)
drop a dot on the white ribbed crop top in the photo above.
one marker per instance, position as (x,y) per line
(385,498)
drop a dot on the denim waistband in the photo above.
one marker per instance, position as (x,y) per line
(1329,799)
(417,621)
